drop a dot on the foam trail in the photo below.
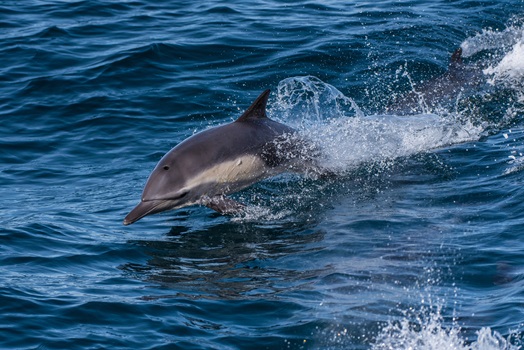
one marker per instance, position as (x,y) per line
(374,139)
(348,138)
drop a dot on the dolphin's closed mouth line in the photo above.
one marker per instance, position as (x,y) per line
(180,196)
(165,199)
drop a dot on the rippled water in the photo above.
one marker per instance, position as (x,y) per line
(415,244)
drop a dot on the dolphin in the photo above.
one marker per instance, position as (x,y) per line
(206,167)
(459,78)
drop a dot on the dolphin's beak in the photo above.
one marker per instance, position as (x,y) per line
(142,209)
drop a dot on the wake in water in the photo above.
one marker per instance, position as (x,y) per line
(473,99)
(350,139)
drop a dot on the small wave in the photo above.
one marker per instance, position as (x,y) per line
(257,213)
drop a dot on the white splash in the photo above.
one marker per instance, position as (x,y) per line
(348,138)
(348,142)
(490,39)
(305,101)
(510,68)
(504,61)
(430,334)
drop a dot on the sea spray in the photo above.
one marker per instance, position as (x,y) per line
(348,138)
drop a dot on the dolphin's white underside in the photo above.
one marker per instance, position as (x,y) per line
(232,175)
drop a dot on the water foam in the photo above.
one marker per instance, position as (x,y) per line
(428,333)
(509,72)
(348,138)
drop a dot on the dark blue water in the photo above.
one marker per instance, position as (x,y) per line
(418,243)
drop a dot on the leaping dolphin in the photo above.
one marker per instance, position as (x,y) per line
(206,167)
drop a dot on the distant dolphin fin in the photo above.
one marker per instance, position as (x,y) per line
(223,205)
(456,59)
(257,110)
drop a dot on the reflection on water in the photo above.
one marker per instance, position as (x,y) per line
(231,261)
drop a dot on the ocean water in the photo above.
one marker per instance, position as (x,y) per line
(416,243)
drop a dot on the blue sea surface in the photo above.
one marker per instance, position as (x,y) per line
(416,243)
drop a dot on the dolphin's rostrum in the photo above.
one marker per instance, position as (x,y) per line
(206,167)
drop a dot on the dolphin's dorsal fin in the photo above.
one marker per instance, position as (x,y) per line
(257,110)
(456,59)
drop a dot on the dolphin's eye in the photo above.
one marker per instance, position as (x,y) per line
(166,167)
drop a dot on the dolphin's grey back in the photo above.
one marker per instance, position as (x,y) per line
(443,89)
(253,133)
(227,142)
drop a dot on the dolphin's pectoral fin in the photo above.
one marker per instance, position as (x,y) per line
(223,205)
